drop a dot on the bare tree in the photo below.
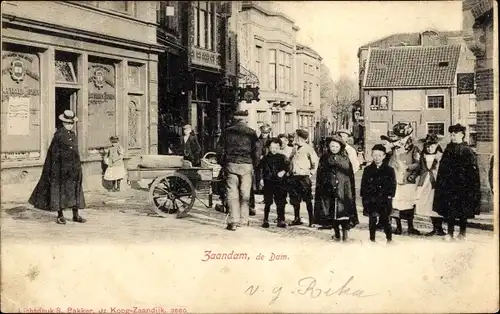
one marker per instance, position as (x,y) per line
(326,92)
(345,93)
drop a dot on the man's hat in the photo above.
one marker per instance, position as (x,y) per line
(457,128)
(345,131)
(114,139)
(68,116)
(402,129)
(266,128)
(302,134)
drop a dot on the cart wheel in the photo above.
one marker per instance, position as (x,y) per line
(172,194)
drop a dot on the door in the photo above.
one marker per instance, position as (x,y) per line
(65,100)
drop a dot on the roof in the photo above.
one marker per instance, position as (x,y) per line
(410,39)
(307,48)
(420,66)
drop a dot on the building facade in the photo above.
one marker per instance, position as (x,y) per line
(198,71)
(418,85)
(104,69)
(308,74)
(271,59)
(426,38)
(480,35)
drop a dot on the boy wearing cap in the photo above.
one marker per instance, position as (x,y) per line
(190,147)
(60,185)
(378,187)
(458,192)
(303,163)
(274,167)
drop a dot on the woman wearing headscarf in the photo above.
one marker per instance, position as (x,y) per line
(335,195)
(458,190)
(404,160)
(426,175)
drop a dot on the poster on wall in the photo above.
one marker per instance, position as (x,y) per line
(102,104)
(18,116)
(465,83)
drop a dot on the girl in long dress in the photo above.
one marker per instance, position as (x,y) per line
(426,175)
(114,159)
(334,203)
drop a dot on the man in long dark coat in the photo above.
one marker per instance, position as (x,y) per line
(458,193)
(190,147)
(60,185)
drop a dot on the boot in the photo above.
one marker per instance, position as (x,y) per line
(439,227)
(399,228)
(281,216)
(336,230)
(372,225)
(434,227)
(310,214)
(345,229)
(76,217)
(267,209)
(296,210)
(463,228)
(411,228)
(60,218)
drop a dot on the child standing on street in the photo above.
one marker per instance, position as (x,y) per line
(274,166)
(378,187)
(114,159)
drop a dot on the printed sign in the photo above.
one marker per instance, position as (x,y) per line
(18,117)
(465,83)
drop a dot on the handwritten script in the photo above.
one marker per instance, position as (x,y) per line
(309,287)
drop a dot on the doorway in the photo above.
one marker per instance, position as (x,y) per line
(65,100)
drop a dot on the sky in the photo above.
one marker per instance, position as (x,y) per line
(336,29)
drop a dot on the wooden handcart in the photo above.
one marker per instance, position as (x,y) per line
(176,184)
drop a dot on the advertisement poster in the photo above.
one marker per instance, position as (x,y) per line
(18,119)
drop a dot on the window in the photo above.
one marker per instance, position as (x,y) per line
(288,73)
(275,121)
(435,102)
(288,123)
(379,103)
(472,136)
(305,68)
(281,71)
(258,62)
(204,22)
(435,128)
(311,71)
(304,94)
(272,69)
(167,16)
(261,118)
(310,93)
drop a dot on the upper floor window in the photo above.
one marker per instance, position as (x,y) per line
(272,69)
(435,102)
(167,15)
(126,7)
(281,71)
(258,62)
(288,72)
(310,93)
(205,16)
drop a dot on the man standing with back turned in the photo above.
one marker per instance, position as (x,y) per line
(237,154)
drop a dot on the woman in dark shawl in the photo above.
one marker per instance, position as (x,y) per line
(458,191)
(60,185)
(335,194)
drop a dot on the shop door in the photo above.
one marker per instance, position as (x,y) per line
(65,100)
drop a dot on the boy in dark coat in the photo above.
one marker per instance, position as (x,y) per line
(274,166)
(458,190)
(60,185)
(378,187)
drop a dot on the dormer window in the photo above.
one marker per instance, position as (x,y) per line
(443,64)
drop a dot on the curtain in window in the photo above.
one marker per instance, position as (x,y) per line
(272,69)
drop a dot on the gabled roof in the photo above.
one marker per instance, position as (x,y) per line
(420,66)
(410,39)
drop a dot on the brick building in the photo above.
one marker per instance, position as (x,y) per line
(414,84)
(98,58)
(479,35)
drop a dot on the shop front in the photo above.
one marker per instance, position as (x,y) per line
(112,89)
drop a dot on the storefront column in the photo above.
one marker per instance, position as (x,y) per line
(153,105)
(82,109)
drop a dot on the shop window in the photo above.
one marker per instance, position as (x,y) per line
(435,128)
(66,69)
(379,103)
(435,102)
